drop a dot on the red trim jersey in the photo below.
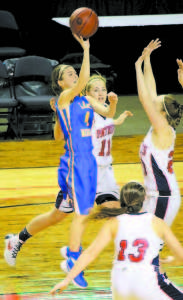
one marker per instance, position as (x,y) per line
(157,165)
(102,133)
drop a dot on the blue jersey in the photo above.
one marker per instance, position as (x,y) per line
(77,173)
(76,122)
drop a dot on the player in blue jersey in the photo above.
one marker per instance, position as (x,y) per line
(77,173)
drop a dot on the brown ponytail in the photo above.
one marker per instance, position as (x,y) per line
(173,109)
(131,200)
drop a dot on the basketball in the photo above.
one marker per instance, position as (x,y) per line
(84,22)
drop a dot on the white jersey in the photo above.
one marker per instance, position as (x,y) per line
(136,243)
(159,176)
(133,273)
(102,133)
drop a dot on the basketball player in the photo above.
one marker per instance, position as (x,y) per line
(107,189)
(77,173)
(102,133)
(156,152)
(136,235)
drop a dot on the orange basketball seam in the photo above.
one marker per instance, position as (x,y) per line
(85,22)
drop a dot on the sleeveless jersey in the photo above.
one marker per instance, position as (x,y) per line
(136,242)
(76,122)
(77,172)
(102,133)
(157,164)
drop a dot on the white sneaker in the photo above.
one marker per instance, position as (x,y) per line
(66,206)
(12,247)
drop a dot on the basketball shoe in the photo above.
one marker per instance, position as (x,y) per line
(66,206)
(79,280)
(66,253)
(68,264)
(12,247)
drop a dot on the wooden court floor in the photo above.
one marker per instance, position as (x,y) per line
(27,191)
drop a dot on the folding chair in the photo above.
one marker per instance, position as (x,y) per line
(32,90)
(8,105)
(10,36)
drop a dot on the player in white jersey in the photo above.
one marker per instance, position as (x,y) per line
(137,235)
(102,134)
(157,149)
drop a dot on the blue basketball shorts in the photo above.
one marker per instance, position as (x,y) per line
(77,178)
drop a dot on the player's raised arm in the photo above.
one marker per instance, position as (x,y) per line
(70,92)
(148,72)
(158,121)
(106,111)
(180,71)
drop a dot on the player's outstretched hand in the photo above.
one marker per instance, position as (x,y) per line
(59,287)
(85,44)
(122,117)
(180,71)
(151,47)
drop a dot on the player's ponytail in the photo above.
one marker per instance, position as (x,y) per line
(173,109)
(131,200)
(105,213)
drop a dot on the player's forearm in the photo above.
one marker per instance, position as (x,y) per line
(149,77)
(119,121)
(141,86)
(85,69)
(111,109)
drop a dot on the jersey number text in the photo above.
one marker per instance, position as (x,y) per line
(141,245)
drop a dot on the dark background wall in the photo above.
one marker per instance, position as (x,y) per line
(119,47)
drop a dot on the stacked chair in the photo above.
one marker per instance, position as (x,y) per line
(25,85)
(8,105)
(32,90)
(25,93)
(11,41)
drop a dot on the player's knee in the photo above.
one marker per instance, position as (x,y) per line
(105,199)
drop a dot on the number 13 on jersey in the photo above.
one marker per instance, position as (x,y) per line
(141,245)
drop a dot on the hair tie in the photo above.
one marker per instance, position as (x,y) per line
(130,209)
